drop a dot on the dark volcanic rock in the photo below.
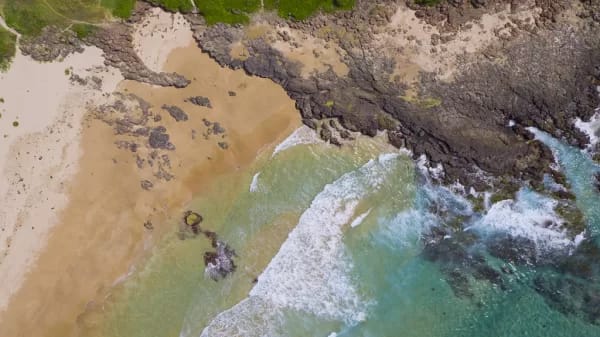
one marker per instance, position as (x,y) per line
(200,101)
(159,139)
(466,130)
(51,45)
(217,128)
(175,112)
(116,43)
(219,263)
(597,183)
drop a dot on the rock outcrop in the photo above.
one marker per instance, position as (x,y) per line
(116,43)
(461,123)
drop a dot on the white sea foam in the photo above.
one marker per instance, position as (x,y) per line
(530,216)
(310,273)
(591,128)
(254,184)
(302,135)
(404,229)
(359,219)
(424,166)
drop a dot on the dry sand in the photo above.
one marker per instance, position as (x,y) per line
(40,154)
(410,39)
(100,234)
(158,34)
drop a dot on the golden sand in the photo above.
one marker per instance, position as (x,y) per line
(100,235)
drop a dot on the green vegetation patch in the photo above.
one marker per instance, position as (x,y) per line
(83,30)
(119,8)
(184,6)
(237,11)
(302,9)
(227,11)
(29,17)
(8,42)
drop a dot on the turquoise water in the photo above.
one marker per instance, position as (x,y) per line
(357,242)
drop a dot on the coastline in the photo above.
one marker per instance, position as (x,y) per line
(93,188)
(101,229)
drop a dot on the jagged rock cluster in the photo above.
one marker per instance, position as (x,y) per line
(218,263)
(116,43)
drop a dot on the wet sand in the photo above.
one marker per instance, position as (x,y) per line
(100,235)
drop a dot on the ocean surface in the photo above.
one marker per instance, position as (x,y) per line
(346,242)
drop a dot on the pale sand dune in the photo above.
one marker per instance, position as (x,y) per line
(40,154)
(158,34)
(100,235)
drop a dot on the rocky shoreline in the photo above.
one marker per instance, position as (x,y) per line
(465,127)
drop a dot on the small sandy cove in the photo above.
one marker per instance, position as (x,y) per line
(73,209)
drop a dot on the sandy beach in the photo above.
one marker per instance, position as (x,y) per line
(41,112)
(96,211)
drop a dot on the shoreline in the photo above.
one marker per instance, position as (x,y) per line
(101,229)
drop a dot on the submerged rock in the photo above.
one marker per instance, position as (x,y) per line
(570,296)
(516,250)
(219,264)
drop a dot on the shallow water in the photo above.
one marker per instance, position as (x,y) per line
(335,243)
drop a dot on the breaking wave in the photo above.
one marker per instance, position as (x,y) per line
(591,128)
(310,273)
(530,216)
(302,135)
(254,184)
